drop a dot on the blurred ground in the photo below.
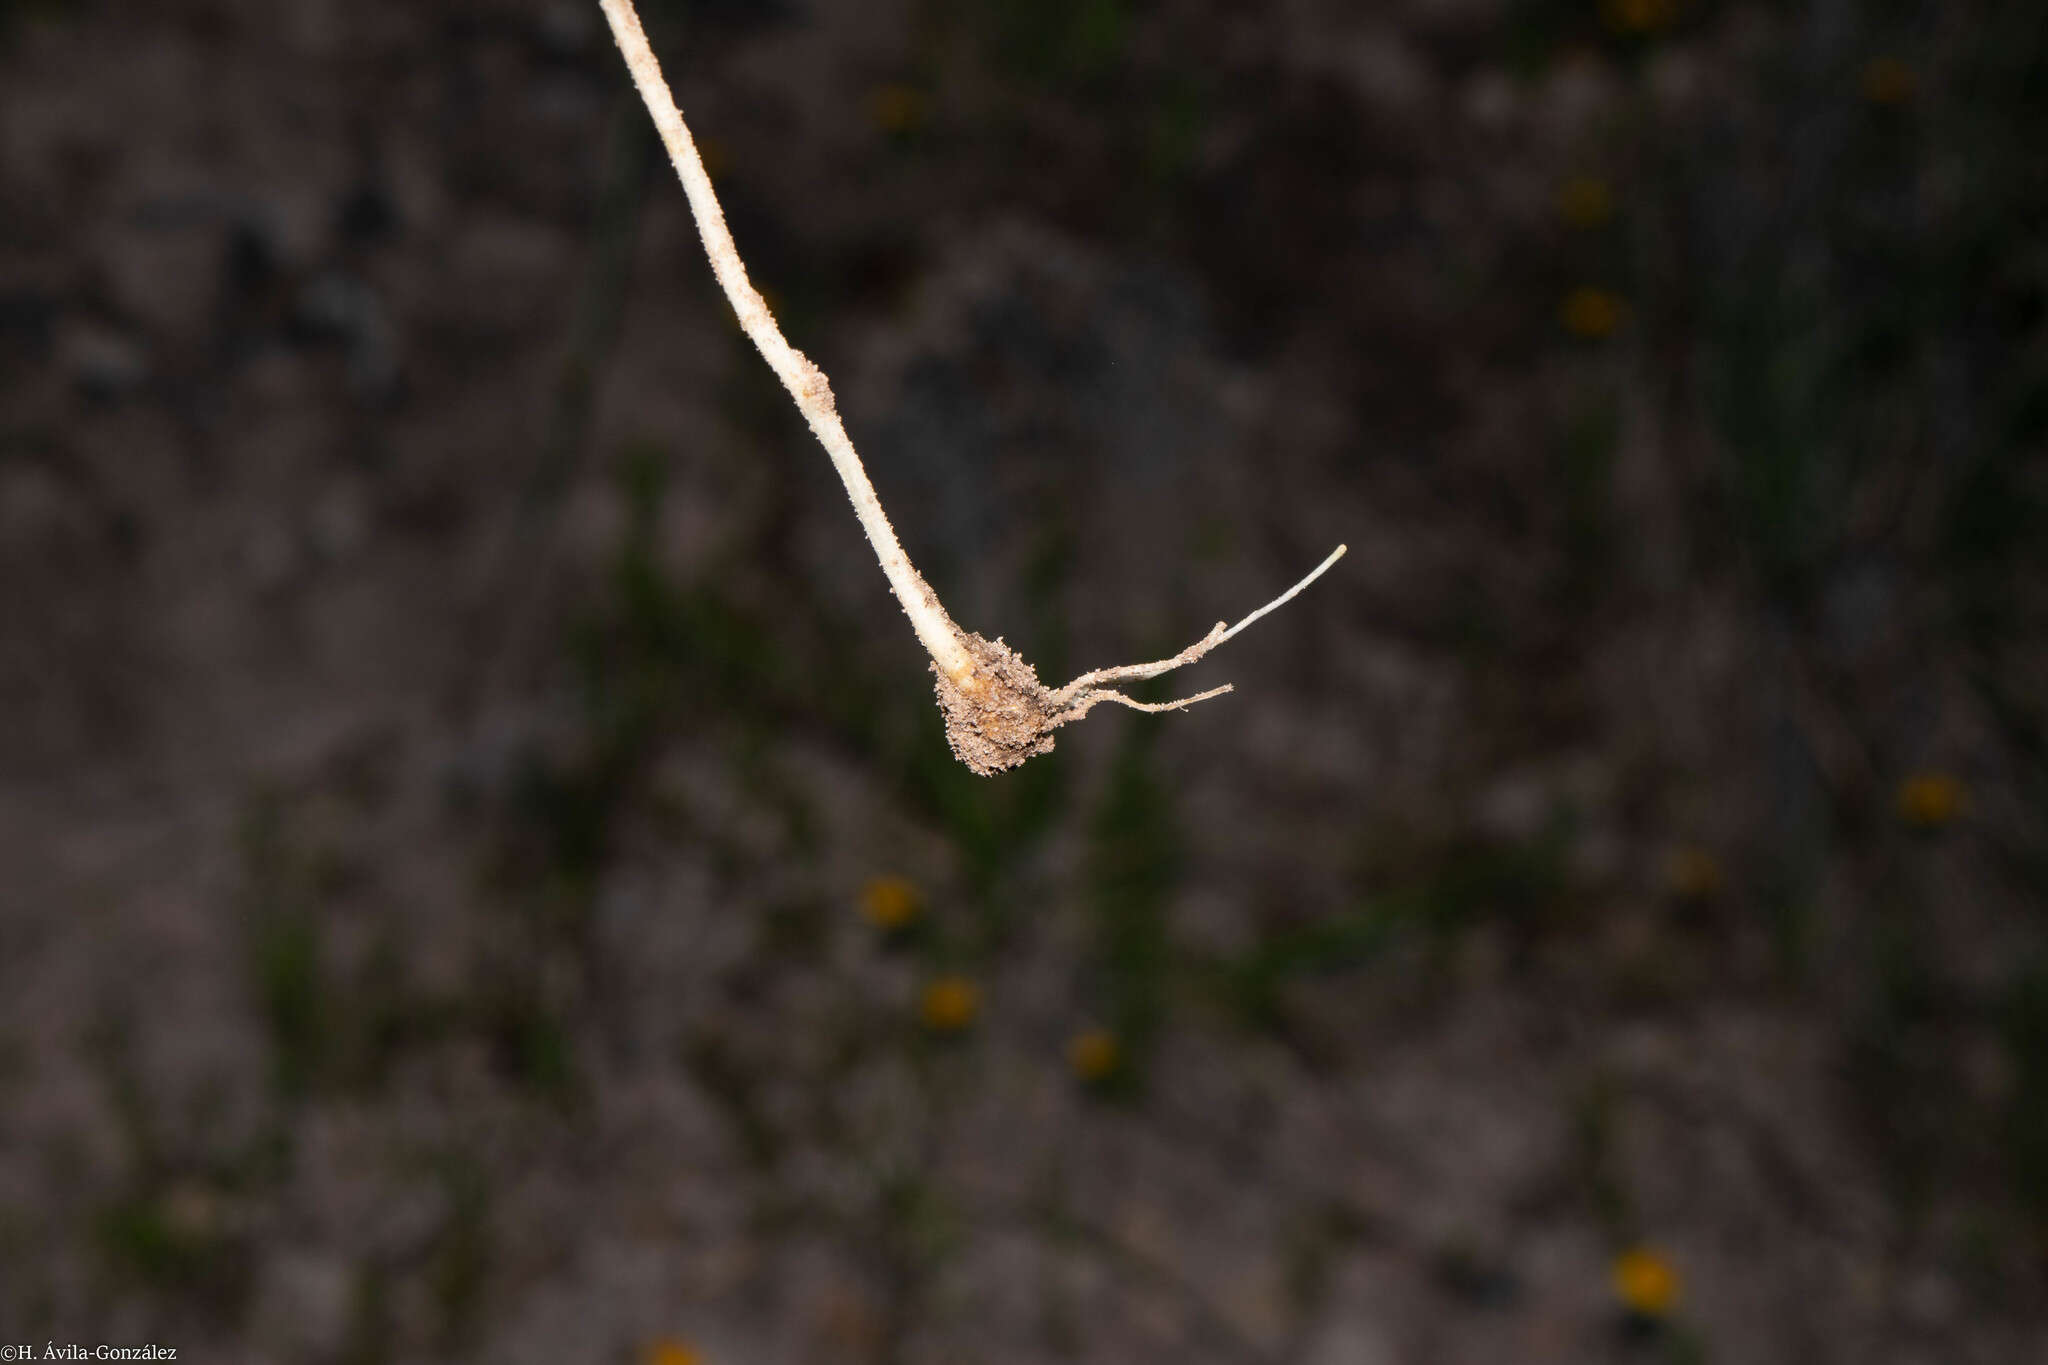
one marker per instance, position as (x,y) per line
(484,877)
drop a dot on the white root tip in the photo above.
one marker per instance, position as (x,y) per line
(1313,574)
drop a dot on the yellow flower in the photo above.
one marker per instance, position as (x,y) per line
(890,903)
(669,1351)
(949,1004)
(1887,80)
(1645,1282)
(1591,313)
(1692,873)
(897,108)
(1094,1054)
(1931,800)
(1585,201)
(1639,16)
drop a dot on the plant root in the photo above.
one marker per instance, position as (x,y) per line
(1004,715)
(997,712)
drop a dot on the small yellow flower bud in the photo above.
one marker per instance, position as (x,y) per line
(890,903)
(1931,800)
(1590,313)
(949,1004)
(1645,1282)
(1094,1054)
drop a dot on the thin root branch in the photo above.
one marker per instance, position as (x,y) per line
(1093,696)
(1140,672)
(1284,598)
(1082,685)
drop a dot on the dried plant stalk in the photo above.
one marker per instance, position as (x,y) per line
(997,712)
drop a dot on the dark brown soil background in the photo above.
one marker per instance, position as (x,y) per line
(481,875)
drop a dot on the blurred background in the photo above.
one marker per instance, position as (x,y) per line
(483,877)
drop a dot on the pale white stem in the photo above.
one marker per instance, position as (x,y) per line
(805,381)
(1216,636)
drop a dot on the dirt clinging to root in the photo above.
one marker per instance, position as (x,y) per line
(1009,717)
